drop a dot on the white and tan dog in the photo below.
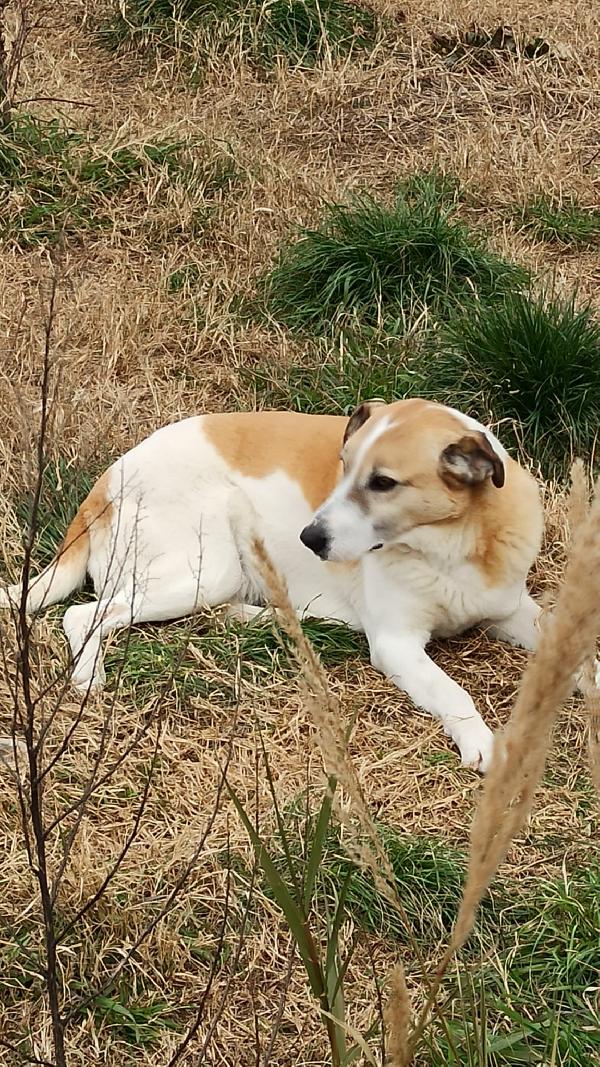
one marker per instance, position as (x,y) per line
(407,521)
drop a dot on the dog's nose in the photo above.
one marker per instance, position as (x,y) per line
(315,538)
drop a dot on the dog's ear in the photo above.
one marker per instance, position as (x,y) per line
(471,461)
(360,416)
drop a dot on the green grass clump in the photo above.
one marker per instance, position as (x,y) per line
(544,985)
(55,181)
(395,264)
(133,1020)
(299,32)
(565,222)
(530,363)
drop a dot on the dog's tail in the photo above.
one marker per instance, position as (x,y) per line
(69,566)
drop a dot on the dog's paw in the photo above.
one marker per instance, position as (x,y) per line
(475,742)
(85,685)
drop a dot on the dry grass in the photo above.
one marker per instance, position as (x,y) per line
(133,355)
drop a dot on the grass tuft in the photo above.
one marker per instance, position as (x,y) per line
(528,362)
(385,264)
(299,32)
(565,222)
(206,658)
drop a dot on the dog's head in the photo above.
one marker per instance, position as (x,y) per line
(406,465)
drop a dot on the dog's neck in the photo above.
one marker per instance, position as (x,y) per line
(445,545)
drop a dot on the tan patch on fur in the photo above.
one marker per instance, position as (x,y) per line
(305,447)
(96,511)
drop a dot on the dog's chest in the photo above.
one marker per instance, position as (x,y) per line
(429,596)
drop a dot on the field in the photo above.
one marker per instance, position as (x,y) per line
(213,195)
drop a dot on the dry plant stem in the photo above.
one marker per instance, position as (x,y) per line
(578,500)
(592,704)
(577,507)
(34,749)
(11,59)
(398,1015)
(568,642)
(33,720)
(4,98)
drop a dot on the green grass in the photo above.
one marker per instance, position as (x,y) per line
(57,182)
(565,221)
(211,659)
(530,363)
(542,992)
(299,32)
(135,1021)
(531,971)
(335,375)
(373,263)
(525,988)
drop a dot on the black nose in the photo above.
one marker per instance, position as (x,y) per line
(315,538)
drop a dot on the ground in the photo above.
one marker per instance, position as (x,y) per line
(146,331)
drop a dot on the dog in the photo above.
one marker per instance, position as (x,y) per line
(406,521)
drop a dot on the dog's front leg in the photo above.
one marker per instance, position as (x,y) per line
(403,659)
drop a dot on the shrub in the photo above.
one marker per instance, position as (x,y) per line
(378,263)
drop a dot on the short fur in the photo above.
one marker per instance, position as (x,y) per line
(424,525)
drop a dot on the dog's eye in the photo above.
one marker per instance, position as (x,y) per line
(380,483)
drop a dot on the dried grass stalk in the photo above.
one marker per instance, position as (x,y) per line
(567,643)
(577,508)
(397,1019)
(578,500)
(326,717)
(362,842)
(591,695)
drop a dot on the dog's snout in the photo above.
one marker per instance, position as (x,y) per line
(315,537)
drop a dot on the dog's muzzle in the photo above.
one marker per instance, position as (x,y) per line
(315,537)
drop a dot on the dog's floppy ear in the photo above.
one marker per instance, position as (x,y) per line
(471,461)
(360,416)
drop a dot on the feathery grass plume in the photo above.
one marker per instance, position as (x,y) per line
(577,508)
(397,1019)
(363,843)
(568,642)
(578,500)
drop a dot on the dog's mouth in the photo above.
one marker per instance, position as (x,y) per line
(376,547)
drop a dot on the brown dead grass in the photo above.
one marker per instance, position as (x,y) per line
(132,356)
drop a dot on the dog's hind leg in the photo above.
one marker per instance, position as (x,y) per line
(160,598)
(521,628)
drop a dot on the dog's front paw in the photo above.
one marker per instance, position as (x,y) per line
(475,742)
